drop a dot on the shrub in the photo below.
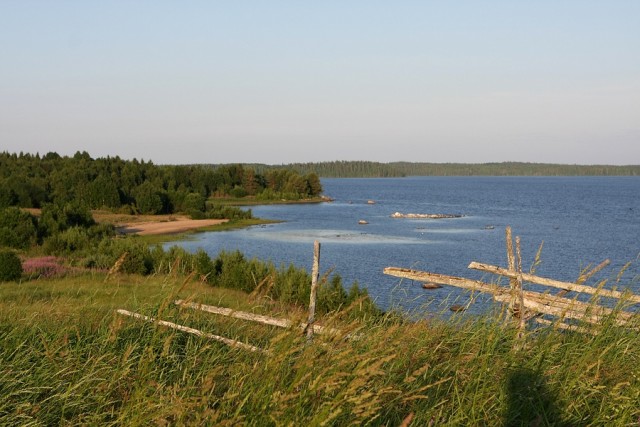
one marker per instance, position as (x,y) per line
(138,259)
(10,266)
(331,295)
(194,214)
(194,202)
(174,260)
(65,242)
(17,228)
(56,218)
(293,285)
(204,265)
(227,212)
(238,192)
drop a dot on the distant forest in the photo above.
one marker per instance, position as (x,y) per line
(133,186)
(364,169)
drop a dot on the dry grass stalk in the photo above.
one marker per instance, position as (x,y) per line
(117,265)
(566,327)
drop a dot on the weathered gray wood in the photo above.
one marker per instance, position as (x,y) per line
(227,341)
(423,276)
(315,272)
(542,303)
(564,307)
(584,277)
(511,265)
(259,318)
(511,260)
(545,308)
(555,283)
(519,289)
(222,311)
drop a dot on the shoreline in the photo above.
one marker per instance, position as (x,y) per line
(177,226)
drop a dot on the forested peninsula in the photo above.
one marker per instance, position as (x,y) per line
(365,169)
(136,186)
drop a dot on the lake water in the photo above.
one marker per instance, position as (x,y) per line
(581,220)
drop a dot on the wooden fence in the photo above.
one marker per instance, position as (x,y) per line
(525,305)
(309,328)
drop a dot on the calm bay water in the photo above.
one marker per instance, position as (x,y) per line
(581,220)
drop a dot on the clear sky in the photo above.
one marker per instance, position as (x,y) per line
(286,81)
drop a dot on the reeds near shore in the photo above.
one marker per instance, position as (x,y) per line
(69,359)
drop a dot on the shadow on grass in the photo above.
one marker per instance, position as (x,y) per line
(530,402)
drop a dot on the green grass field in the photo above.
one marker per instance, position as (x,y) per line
(69,359)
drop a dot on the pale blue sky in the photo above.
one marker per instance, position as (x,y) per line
(284,81)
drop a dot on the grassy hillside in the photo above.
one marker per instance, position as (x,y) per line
(69,359)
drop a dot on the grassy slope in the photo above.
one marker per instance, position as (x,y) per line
(67,358)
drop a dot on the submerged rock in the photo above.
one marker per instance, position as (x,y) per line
(456,308)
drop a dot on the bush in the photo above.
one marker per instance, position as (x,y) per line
(204,265)
(194,202)
(174,260)
(138,259)
(17,228)
(227,212)
(71,240)
(293,285)
(56,218)
(10,266)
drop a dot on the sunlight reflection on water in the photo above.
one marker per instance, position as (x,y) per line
(336,236)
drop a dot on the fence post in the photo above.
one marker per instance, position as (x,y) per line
(519,289)
(511,266)
(315,272)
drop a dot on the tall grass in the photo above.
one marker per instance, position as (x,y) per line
(68,359)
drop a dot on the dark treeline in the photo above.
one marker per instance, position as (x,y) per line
(512,169)
(364,169)
(32,181)
(340,169)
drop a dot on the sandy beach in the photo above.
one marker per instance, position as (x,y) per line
(167,227)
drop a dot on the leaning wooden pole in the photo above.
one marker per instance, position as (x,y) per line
(265,320)
(315,272)
(565,286)
(227,341)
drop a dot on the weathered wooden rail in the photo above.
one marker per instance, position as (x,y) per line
(527,304)
(308,328)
